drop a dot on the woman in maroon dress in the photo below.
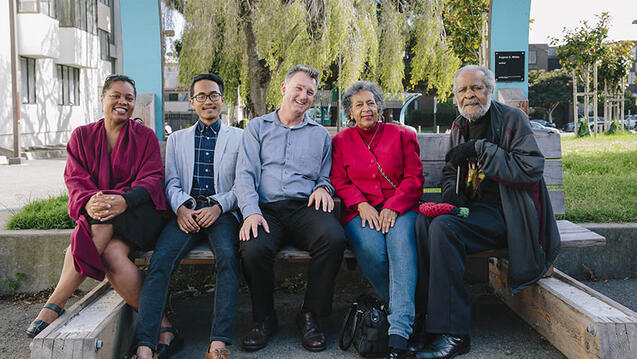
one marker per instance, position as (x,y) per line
(114,177)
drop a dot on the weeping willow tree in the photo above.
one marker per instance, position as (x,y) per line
(252,43)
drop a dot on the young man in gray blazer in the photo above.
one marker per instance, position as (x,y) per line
(200,169)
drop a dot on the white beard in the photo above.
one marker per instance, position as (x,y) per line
(481,112)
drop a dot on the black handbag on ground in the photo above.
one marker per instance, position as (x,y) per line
(366,327)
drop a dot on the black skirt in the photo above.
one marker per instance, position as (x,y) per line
(140,226)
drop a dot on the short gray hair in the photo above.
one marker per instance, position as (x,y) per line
(489,77)
(307,69)
(359,86)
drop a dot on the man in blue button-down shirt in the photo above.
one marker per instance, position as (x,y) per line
(283,190)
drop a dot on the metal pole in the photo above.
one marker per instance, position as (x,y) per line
(435,111)
(15,160)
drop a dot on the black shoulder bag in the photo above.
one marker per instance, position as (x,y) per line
(366,327)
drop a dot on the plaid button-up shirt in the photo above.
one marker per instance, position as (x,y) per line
(203,177)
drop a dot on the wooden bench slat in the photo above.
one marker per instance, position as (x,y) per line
(582,238)
(556,195)
(575,236)
(432,170)
(201,254)
(434,146)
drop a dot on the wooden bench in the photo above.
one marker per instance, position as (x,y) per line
(577,320)
(433,148)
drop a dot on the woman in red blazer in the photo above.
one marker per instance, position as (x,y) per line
(376,171)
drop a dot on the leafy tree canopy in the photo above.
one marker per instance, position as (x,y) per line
(252,43)
(584,45)
(463,21)
(548,89)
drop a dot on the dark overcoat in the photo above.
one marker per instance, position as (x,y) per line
(515,161)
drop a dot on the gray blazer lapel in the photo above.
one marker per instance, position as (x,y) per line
(187,149)
(220,149)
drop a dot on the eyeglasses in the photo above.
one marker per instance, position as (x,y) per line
(201,98)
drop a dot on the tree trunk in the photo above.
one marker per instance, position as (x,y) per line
(595,95)
(260,75)
(587,79)
(606,103)
(622,99)
(550,110)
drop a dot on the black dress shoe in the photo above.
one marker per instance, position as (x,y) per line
(419,341)
(257,338)
(164,351)
(312,337)
(446,346)
(39,325)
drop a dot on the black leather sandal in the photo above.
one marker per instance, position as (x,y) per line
(176,344)
(39,325)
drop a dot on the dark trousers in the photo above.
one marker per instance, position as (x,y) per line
(292,222)
(173,244)
(443,245)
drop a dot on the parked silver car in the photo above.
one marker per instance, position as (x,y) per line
(536,127)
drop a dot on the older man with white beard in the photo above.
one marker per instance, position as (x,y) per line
(501,167)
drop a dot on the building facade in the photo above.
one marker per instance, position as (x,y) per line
(65,49)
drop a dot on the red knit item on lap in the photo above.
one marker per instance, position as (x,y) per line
(431,209)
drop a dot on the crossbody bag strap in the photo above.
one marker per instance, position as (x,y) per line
(383,173)
(369,147)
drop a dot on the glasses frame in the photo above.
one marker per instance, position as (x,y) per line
(210,96)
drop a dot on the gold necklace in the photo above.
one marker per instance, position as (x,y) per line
(372,140)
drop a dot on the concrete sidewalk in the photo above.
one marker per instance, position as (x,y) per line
(33,179)
(496,331)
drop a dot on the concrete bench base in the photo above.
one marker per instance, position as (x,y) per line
(579,321)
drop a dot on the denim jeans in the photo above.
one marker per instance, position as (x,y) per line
(389,261)
(172,246)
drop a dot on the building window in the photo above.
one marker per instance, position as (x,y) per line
(81,14)
(27,79)
(46,7)
(105,45)
(173,97)
(27,6)
(69,85)
(532,57)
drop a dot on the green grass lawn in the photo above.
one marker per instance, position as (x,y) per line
(600,178)
(50,213)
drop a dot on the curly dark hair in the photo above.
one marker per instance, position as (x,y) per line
(110,79)
(357,87)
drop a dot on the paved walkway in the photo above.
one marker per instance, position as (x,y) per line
(33,179)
